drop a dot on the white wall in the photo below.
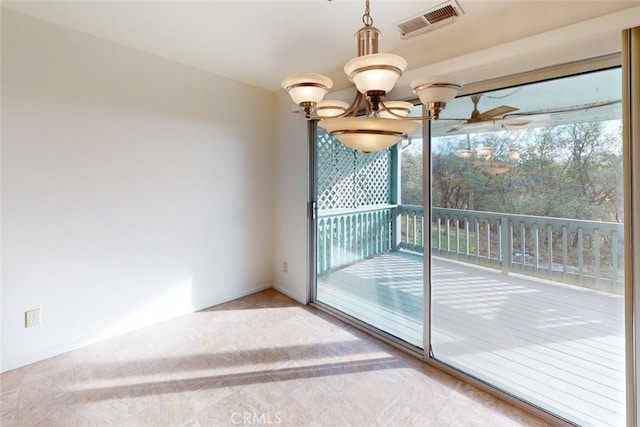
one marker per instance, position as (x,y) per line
(134,189)
(291,196)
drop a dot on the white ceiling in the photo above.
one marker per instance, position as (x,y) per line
(589,97)
(260,42)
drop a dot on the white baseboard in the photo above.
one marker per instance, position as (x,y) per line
(289,294)
(83,342)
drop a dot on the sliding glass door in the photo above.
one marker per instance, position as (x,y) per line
(369,238)
(527,254)
(522,227)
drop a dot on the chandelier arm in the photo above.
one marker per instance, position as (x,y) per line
(397,116)
(355,105)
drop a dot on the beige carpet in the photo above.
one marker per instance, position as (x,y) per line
(259,360)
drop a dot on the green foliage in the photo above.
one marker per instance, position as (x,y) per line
(567,171)
(411,172)
(441,239)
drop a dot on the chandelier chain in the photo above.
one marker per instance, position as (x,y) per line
(367,20)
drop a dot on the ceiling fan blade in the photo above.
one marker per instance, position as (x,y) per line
(498,111)
(512,122)
(473,127)
(529,120)
(457,128)
(533,119)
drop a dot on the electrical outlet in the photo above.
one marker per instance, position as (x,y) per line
(285,266)
(32,318)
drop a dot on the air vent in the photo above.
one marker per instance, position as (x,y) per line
(436,17)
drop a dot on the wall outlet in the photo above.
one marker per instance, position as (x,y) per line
(285,266)
(32,318)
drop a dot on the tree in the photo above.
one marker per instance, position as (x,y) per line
(411,173)
(570,171)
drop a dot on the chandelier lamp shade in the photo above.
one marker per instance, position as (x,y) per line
(368,134)
(307,89)
(378,72)
(331,108)
(374,74)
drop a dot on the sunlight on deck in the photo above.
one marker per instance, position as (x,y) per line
(558,346)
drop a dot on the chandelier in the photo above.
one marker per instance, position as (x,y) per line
(485,158)
(374,74)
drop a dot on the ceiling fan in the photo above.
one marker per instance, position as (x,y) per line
(489,118)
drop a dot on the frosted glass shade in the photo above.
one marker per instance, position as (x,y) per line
(400,108)
(485,151)
(436,89)
(464,153)
(307,87)
(376,72)
(331,108)
(497,170)
(369,134)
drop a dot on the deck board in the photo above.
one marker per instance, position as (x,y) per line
(560,346)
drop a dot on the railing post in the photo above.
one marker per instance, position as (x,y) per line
(448,231)
(456,221)
(614,259)
(580,255)
(439,233)
(476,226)
(466,235)
(550,250)
(395,197)
(596,256)
(487,232)
(565,251)
(330,242)
(322,267)
(505,244)
(396,234)
(395,177)
(536,248)
(523,244)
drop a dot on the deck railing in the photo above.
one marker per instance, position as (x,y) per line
(346,236)
(587,253)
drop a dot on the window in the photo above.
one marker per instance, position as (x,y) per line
(527,255)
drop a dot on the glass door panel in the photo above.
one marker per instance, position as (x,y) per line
(369,245)
(527,274)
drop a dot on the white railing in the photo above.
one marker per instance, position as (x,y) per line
(587,253)
(346,236)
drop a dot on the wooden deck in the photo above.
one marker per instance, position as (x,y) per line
(557,346)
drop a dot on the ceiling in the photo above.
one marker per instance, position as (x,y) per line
(260,42)
(590,97)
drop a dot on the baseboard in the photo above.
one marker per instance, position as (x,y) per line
(289,294)
(230,297)
(83,342)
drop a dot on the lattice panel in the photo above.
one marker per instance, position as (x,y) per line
(348,178)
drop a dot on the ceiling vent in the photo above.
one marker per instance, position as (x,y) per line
(430,19)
